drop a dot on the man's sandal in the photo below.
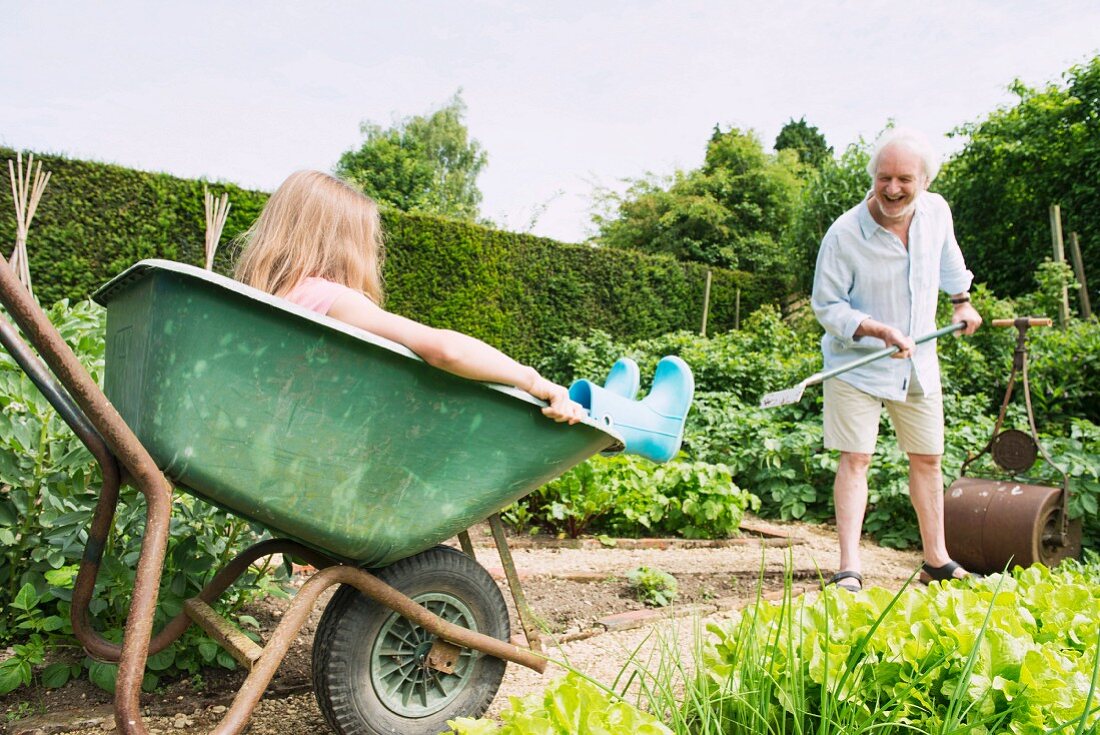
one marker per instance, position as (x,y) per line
(847,580)
(946,573)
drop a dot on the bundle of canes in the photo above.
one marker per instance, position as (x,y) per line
(26,191)
(216,212)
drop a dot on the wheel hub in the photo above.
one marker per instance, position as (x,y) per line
(401,674)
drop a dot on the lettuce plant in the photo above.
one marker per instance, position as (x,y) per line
(1013,653)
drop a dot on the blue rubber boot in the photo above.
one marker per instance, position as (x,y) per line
(624,378)
(652,427)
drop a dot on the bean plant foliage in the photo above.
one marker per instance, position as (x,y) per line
(777,455)
(49,486)
(627,496)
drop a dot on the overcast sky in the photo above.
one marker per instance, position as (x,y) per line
(563,96)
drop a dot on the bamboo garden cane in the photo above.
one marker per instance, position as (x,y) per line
(216,212)
(26,191)
(794,395)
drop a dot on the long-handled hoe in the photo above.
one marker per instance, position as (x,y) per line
(794,395)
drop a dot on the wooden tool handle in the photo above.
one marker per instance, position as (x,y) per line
(1032,321)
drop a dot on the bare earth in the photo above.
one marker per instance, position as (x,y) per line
(570,590)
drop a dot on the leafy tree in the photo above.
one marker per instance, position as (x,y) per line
(806,140)
(730,212)
(833,188)
(424,163)
(1043,150)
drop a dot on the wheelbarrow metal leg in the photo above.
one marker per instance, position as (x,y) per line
(466,544)
(526,618)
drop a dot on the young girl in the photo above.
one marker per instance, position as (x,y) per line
(318,243)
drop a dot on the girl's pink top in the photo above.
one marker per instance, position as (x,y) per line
(316,294)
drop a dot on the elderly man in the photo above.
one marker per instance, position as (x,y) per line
(879,270)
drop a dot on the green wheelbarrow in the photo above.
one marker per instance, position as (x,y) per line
(359,458)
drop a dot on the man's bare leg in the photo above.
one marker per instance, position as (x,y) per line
(850,499)
(926,494)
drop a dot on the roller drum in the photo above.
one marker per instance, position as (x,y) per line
(991,525)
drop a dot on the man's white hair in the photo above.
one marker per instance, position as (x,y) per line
(913,141)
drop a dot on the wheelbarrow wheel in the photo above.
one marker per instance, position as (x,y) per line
(369,670)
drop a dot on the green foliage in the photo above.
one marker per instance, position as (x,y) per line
(778,455)
(568,706)
(831,189)
(805,140)
(423,163)
(1051,281)
(628,496)
(520,293)
(48,490)
(765,355)
(97,219)
(1009,654)
(1043,150)
(653,586)
(728,213)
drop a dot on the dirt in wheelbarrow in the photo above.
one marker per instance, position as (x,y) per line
(578,591)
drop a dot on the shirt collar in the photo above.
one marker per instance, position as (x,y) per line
(867,223)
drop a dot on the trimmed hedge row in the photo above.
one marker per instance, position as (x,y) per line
(519,292)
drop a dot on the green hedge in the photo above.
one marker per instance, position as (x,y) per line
(519,292)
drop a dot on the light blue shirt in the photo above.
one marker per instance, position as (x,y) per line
(864,271)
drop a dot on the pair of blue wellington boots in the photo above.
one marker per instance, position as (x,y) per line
(652,427)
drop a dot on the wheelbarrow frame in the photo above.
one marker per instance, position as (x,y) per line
(122,458)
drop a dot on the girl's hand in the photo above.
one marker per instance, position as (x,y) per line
(562,407)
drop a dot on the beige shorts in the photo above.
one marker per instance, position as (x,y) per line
(852,418)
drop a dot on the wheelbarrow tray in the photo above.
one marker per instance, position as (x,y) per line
(321,432)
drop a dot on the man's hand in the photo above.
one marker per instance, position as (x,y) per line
(965,312)
(891,336)
(894,338)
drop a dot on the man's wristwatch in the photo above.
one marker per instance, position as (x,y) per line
(964,299)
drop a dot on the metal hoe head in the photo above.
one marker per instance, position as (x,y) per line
(784,397)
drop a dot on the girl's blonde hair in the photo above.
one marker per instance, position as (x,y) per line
(314,225)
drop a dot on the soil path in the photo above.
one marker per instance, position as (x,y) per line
(572,590)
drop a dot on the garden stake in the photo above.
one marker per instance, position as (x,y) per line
(794,395)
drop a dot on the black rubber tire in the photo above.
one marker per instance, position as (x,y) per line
(351,623)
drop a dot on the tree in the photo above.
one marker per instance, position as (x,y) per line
(730,212)
(1043,150)
(833,188)
(806,140)
(420,164)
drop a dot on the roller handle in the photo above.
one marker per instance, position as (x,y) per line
(1031,321)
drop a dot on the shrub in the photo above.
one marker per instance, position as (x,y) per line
(519,292)
(778,455)
(628,496)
